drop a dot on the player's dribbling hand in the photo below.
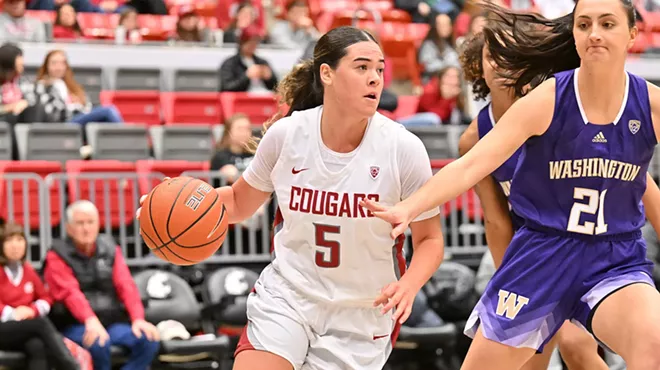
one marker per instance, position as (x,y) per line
(397,216)
(399,295)
(142,198)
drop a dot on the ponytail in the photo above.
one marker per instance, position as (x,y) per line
(529,48)
(301,89)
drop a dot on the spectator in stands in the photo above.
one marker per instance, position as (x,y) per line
(66,25)
(87,273)
(437,50)
(188,27)
(477,23)
(16,26)
(18,103)
(245,71)
(297,31)
(442,102)
(128,29)
(232,155)
(419,10)
(246,14)
(64,99)
(24,307)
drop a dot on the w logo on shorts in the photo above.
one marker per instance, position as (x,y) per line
(509,304)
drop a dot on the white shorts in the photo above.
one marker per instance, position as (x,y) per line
(312,335)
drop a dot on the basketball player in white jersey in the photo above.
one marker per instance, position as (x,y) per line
(332,298)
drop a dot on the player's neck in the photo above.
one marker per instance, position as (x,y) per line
(600,89)
(340,132)
(501,102)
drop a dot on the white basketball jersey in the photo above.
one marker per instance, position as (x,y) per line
(328,246)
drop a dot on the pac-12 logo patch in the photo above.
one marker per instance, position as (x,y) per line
(633,126)
(374,171)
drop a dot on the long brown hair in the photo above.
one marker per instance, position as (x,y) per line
(460,99)
(530,48)
(74,87)
(7,231)
(302,89)
(471,57)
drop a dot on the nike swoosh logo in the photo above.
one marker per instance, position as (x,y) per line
(295,171)
(376,337)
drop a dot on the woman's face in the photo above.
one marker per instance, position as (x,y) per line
(241,132)
(67,16)
(450,84)
(57,66)
(601,31)
(357,82)
(20,67)
(244,17)
(189,22)
(130,21)
(478,24)
(443,25)
(14,248)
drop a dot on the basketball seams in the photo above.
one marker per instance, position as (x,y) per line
(169,254)
(169,215)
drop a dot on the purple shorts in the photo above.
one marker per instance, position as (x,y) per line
(546,279)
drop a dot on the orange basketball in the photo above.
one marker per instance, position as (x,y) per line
(183,221)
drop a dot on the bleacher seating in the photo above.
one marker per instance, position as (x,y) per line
(182,142)
(135,106)
(116,141)
(91,80)
(191,107)
(196,81)
(182,306)
(48,141)
(440,142)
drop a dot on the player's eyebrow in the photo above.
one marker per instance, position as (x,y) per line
(362,59)
(599,17)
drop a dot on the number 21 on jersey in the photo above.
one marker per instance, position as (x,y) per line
(594,205)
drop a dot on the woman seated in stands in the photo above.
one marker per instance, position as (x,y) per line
(64,99)
(245,15)
(18,103)
(66,25)
(188,27)
(128,30)
(442,101)
(24,306)
(232,155)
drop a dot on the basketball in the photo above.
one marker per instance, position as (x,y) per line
(183,221)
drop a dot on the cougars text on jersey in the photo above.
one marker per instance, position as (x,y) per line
(329,203)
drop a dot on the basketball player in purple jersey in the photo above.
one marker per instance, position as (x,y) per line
(588,135)
(578,348)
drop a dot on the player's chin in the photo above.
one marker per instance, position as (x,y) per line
(369,108)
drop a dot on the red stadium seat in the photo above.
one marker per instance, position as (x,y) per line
(191,107)
(156,27)
(135,106)
(12,193)
(98,25)
(167,168)
(110,191)
(258,107)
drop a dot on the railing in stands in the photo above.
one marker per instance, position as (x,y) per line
(40,204)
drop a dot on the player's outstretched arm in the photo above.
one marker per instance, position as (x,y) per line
(529,116)
(497,220)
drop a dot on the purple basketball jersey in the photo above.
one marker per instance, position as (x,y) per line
(504,173)
(583,178)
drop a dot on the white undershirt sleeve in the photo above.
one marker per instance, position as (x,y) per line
(258,173)
(414,168)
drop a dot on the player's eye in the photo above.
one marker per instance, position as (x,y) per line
(381,70)
(583,26)
(608,25)
(362,67)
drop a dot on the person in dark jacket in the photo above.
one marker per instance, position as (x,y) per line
(246,72)
(102,306)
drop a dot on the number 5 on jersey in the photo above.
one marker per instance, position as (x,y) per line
(327,255)
(595,204)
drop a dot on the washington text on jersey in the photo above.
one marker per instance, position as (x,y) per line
(593,167)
